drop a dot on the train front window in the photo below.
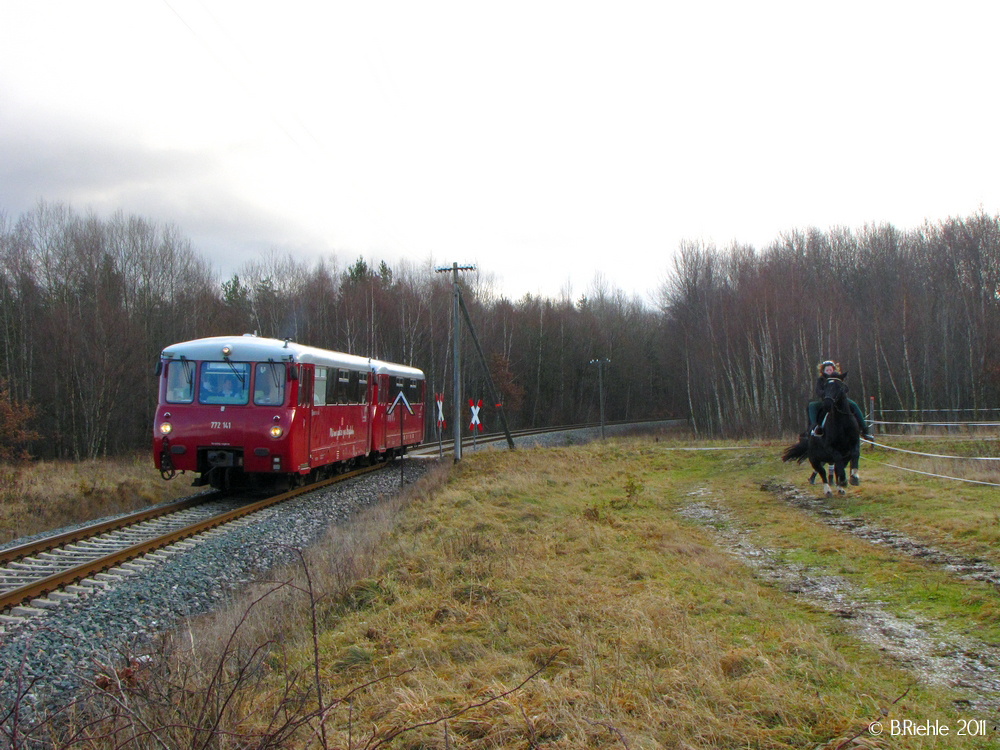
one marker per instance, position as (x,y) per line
(180,382)
(224,383)
(269,384)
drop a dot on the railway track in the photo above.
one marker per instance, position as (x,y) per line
(37,575)
(446,447)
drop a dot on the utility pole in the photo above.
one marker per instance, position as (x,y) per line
(494,393)
(456,324)
(600,387)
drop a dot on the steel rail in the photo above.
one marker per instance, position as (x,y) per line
(428,447)
(77,573)
(85,532)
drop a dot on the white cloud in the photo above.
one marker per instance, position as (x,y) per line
(545,140)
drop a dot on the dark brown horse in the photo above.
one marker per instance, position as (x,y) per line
(839,444)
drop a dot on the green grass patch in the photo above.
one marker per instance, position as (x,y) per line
(933,512)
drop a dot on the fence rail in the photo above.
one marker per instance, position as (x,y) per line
(952,423)
(934,411)
(936,424)
(880,425)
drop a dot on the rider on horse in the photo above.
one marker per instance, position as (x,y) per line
(826,370)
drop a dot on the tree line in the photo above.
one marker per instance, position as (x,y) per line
(87,303)
(911,315)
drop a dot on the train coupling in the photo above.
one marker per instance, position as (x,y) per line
(167,470)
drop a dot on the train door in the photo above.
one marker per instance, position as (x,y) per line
(415,424)
(305,411)
(392,437)
(379,405)
(363,431)
(320,436)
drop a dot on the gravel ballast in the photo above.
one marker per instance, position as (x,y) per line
(44,659)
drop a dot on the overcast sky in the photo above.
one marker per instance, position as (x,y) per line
(546,141)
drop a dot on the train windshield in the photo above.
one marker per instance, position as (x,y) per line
(224,383)
(180,382)
(269,384)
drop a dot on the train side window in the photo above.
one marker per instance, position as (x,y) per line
(269,384)
(180,382)
(319,387)
(343,387)
(333,387)
(362,387)
(415,391)
(224,383)
(353,389)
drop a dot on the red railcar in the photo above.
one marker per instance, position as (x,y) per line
(238,409)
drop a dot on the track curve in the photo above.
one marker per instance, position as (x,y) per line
(39,568)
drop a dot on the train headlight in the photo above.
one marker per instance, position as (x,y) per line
(277,431)
(165,428)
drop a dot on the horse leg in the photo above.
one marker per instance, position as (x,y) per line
(812,477)
(841,476)
(820,468)
(855,479)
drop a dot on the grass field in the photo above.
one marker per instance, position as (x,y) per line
(640,593)
(45,495)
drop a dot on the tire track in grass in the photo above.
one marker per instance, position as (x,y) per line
(965,567)
(920,645)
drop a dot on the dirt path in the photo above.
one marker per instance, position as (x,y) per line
(924,647)
(963,567)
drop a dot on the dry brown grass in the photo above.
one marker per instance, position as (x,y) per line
(646,634)
(44,495)
(233,678)
(537,599)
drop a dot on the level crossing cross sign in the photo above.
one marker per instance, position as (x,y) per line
(475,407)
(439,398)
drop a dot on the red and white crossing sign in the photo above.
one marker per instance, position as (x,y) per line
(475,407)
(439,398)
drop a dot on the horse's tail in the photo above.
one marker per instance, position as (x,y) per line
(798,452)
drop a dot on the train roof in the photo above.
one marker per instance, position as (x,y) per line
(250,348)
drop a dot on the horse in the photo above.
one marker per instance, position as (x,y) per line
(840,443)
